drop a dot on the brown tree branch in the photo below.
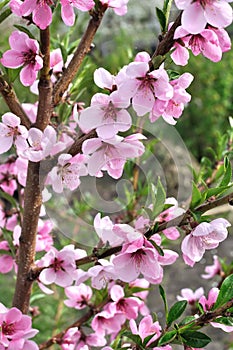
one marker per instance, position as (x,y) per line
(57,339)
(81,51)
(32,206)
(33,189)
(12,102)
(45,85)
(167,41)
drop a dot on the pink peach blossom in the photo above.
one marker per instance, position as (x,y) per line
(16,329)
(204,236)
(188,294)
(12,132)
(140,257)
(78,296)
(218,13)
(111,154)
(104,229)
(67,11)
(107,114)
(59,266)
(24,52)
(128,306)
(212,270)
(67,172)
(118,6)
(144,86)
(41,11)
(40,142)
(146,327)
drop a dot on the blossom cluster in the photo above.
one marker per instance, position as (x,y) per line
(139,258)
(15,330)
(41,10)
(205,35)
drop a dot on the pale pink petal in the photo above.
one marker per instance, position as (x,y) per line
(218,14)
(194,10)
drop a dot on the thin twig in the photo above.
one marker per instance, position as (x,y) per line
(80,53)
(12,102)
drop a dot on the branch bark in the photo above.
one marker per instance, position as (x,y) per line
(81,51)
(33,189)
(12,102)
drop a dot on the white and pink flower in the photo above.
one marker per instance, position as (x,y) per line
(24,52)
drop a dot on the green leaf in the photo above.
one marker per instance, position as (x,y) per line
(5,252)
(167,337)
(136,338)
(4,15)
(227,321)
(225,293)
(164,298)
(166,10)
(195,339)
(37,297)
(8,237)
(12,74)
(157,247)
(162,19)
(24,30)
(9,198)
(158,203)
(227,173)
(3,3)
(215,191)
(176,311)
(187,320)
(196,197)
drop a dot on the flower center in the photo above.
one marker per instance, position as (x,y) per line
(44,2)
(8,329)
(138,258)
(110,112)
(57,265)
(29,57)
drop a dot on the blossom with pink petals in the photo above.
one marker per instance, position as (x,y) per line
(172,109)
(8,175)
(104,79)
(6,260)
(128,306)
(78,296)
(67,172)
(24,52)
(112,154)
(140,257)
(41,11)
(107,321)
(212,270)
(204,236)
(67,9)
(15,330)
(188,294)
(169,214)
(217,13)
(12,132)
(211,42)
(208,303)
(59,266)
(102,273)
(40,142)
(104,229)
(118,6)
(144,86)
(107,114)
(146,327)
